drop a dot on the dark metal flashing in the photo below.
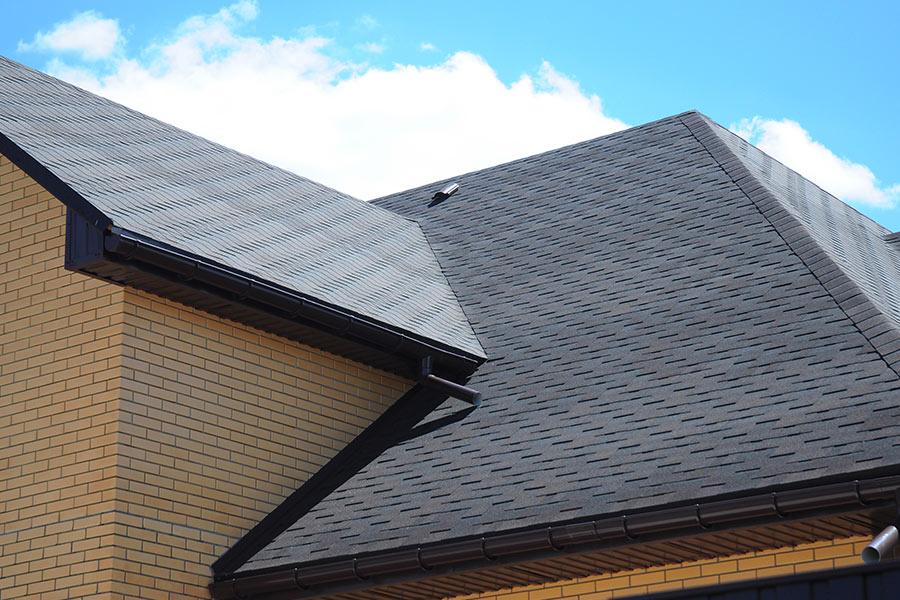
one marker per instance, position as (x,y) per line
(130,259)
(53,184)
(393,426)
(832,509)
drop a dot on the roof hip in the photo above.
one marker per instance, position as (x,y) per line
(882,332)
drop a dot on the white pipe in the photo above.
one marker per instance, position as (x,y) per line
(880,545)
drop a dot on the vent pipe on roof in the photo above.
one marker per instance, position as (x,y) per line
(880,545)
(446,191)
(454,390)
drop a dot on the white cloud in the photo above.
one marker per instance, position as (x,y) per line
(87,34)
(427,47)
(367,22)
(371,47)
(789,143)
(366,131)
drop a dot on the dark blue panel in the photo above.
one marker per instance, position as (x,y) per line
(846,587)
(768,594)
(742,595)
(794,591)
(820,589)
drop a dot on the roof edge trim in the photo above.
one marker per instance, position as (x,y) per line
(281,300)
(136,252)
(871,322)
(53,184)
(428,561)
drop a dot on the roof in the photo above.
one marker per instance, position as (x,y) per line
(669,315)
(122,168)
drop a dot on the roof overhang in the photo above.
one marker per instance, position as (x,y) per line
(572,550)
(130,259)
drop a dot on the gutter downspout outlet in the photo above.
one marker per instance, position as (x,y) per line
(450,388)
(880,545)
(454,390)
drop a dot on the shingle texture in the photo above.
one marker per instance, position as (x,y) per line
(861,249)
(654,336)
(157,180)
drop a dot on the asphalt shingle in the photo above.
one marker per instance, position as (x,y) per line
(175,187)
(658,331)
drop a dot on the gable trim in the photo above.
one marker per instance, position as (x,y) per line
(53,184)
(130,259)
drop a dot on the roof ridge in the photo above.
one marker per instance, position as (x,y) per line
(877,327)
(629,130)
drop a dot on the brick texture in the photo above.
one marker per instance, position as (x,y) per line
(60,362)
(816,556)
(219,423)
(140,438)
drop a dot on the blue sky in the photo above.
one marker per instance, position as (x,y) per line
(374,97)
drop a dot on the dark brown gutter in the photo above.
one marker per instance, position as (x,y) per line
(435,559)
(129,246)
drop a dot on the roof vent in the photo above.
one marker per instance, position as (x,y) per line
(446,191)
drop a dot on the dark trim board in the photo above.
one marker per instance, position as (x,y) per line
(53,184)
(396,424)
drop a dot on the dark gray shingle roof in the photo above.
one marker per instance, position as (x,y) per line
(663,324)
(157,180)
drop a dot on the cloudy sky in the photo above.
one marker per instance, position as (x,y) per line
(372,98)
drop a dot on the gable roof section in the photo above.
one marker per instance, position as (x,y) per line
(118,167)
(663,329)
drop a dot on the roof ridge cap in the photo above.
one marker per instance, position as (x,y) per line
(435,185)
(882,333)
(712,123)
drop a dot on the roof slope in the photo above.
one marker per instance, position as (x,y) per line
(659,332)
(156,180)
(864,252)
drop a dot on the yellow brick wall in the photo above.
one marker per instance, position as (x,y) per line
(140,438)
(219,423)
(60,335)
(754,565)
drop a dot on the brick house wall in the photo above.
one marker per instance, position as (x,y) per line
(140,438)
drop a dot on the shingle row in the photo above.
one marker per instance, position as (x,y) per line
(661,328)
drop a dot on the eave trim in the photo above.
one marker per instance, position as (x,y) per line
(140,254)
(301,581)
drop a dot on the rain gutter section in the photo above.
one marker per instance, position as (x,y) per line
(541,542)
(87,251)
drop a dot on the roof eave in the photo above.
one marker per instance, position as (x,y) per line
(128,258)
(549,542)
